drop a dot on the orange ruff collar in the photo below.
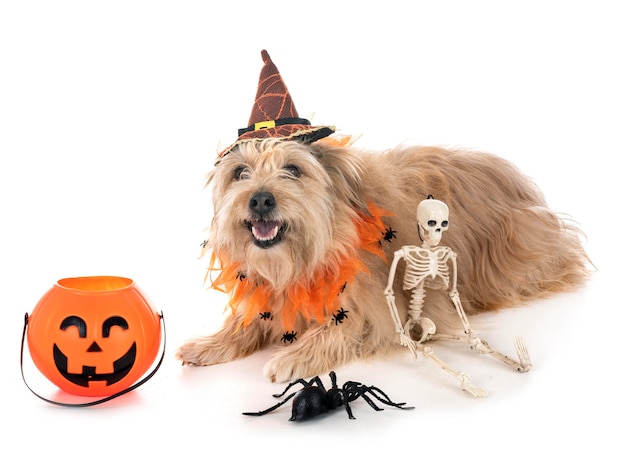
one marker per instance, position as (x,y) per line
(312,299)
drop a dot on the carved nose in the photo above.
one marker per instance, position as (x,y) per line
(262,202)
(94,347)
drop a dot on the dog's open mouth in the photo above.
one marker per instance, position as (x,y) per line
(266,233)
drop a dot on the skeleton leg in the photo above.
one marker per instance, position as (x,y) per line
(428,331)
(475,342)
(466,384)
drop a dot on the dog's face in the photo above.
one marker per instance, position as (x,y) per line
(282,207)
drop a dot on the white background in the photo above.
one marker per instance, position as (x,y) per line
(111,113)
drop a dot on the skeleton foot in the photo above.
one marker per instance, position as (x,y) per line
(473,389)
(523,355)
(522,366)
(466,383)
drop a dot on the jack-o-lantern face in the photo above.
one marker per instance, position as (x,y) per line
(94,336)
(95,352)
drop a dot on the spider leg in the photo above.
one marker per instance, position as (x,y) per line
(352,390)
(384,398)
(370,402)
(333,380)
(356,390)
(347,404)
(315,380)
(271,408)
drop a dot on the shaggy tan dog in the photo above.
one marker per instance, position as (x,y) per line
(292,232)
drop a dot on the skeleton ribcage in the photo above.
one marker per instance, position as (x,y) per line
(426,268)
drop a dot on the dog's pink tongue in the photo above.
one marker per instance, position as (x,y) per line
(265,230)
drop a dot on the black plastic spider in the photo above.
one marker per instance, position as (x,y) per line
(289,337)
(340,316)
(204,243)
(389,234)
(313,399)
(265,315)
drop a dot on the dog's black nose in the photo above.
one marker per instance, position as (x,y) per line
(262,202)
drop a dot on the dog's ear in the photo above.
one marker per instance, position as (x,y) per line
(345,170)
(218,178)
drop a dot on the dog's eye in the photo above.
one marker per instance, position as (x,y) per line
(238,174)
(293,170)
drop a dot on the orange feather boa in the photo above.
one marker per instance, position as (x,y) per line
(313,299)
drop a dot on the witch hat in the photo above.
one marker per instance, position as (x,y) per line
(274,115)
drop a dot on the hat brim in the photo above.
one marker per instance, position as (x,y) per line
(300,132)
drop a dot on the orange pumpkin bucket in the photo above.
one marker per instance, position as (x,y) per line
(94,336)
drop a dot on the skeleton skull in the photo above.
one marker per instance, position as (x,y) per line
(432,220)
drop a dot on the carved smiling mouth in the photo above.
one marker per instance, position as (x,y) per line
(266,233)
(121,367)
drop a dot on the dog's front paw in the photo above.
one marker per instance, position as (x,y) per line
(280,370)
(284,368)
(191,353)
(199,352)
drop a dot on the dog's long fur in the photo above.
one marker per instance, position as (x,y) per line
(510,247)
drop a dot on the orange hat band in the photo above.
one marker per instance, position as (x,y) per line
(273,123)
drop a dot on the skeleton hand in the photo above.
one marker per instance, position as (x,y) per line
(408,342)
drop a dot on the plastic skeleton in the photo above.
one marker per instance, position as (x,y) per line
(433,266)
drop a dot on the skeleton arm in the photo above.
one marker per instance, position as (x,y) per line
(405,340)
(392,270)
(451,257)
(453,293)
(389,290)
